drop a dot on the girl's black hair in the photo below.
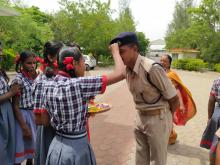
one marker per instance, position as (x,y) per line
(3,73)
(69,52)
(51,48)
(23,56)
(73,44)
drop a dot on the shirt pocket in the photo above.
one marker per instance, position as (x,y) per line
(148,93)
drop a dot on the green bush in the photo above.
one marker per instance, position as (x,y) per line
(190,64)
(105,61)
(180,64)
(217,67)
(8,59)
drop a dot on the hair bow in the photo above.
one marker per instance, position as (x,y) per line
(68,61)
(39,59)
(17,58)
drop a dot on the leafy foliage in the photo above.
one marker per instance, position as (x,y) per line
(190,64)
(8,59)
(86,22)
(196,28)
(143,43)
(217,67)
(90,24)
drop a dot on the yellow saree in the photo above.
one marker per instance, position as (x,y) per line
(181,117)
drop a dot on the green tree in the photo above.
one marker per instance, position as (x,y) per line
(206,18)
(181,17)
(143,43)
(90,23)
(202,32)
(177,35)
(29,31)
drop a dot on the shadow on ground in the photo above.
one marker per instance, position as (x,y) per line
(112,143)
(189,151)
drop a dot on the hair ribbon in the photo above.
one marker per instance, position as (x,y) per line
(68,61)
(17,58)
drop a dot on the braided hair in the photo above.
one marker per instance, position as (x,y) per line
(3,73)
(51,48)
(66,52)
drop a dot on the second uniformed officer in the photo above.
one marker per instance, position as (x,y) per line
(154,96)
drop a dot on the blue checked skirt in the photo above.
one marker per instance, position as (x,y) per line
(7,134)
(65,150)
(209,139)
(25,149)
(45,136)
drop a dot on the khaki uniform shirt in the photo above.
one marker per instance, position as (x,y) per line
(144,94)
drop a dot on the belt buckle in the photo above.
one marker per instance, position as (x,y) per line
(151,113)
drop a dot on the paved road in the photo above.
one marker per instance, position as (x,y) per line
(112,132)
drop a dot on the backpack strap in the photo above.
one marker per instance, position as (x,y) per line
(148,77)
(147,65)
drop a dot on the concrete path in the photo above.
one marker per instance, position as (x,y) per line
(112,132)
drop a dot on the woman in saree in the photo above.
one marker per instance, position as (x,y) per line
(187,108)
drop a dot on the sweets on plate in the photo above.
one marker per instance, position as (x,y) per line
(98,107)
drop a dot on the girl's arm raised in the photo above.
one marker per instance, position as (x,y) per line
(119,70)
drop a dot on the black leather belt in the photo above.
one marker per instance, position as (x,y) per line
(26,109)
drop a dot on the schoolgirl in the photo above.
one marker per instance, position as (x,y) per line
(209,139)
(66,99)
(7,123)
(23,108)
(49,69)
(92,100)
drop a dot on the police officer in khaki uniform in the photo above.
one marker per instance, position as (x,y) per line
(154,96)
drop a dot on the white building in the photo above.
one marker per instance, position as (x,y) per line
(181,53)
(156,48)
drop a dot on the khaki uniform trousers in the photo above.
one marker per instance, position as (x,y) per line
(152,135)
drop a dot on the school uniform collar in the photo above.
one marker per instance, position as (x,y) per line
(137,64)
(26,74)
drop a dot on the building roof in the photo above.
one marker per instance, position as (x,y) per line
(158,42)
(183,50)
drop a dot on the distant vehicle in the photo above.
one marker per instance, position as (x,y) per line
(90,62)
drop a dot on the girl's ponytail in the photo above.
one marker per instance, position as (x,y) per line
(51,48)
(17,62)
(66,59)
(3,73)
